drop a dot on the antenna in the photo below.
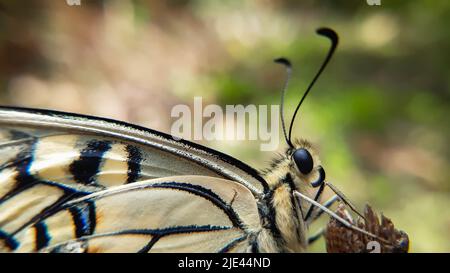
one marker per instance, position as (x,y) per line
(330,34)
(287,64)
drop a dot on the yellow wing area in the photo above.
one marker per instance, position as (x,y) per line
(171,214)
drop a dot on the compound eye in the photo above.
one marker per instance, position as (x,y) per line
(303,160)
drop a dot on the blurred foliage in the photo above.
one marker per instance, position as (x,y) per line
(379,113)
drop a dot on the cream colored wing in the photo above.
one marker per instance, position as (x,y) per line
(58,139)
(49,158)
(172,214)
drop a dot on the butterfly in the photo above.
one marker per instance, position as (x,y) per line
(74,183)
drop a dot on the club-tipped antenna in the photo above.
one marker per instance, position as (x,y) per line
(330,34)
(287,64)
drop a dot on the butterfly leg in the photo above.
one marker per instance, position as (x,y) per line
(316,236)
(316,198)
(335,216)
(318,212)
(344,199)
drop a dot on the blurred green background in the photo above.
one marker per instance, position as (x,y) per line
(379,114)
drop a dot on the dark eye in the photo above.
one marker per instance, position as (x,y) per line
(303,160)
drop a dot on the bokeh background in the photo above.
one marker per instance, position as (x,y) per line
(379,114)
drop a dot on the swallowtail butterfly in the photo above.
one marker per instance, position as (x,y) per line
(73,183)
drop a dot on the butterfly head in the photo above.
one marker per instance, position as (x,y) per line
(299,165)
(305,165)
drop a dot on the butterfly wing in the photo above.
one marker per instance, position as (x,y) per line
(144,152)
(48,159)
(172,214)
